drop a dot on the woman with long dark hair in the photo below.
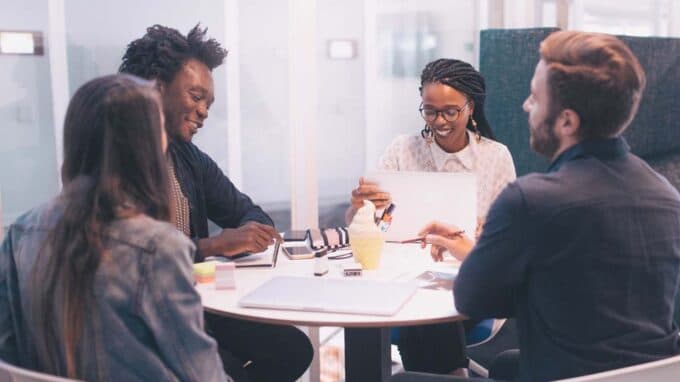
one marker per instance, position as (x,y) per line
(96,284)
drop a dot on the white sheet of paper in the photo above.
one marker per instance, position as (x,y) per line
(421,197)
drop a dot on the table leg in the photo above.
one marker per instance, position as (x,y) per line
(314,371)
(367,354)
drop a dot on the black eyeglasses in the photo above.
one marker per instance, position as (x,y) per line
(450,114)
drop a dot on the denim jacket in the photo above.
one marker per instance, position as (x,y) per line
(146,320)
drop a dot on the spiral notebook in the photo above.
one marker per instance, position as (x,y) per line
(266,258)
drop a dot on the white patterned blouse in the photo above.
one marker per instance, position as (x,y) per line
(489,160)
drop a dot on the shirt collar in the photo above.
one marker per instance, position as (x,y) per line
(609,148)
(464,156)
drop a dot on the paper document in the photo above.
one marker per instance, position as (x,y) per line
(421,197)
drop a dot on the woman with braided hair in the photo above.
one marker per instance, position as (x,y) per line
(456,138)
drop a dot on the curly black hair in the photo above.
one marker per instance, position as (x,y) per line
(463,77)
(162,51)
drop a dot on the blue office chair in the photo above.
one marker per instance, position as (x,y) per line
(482,344)
(482,332)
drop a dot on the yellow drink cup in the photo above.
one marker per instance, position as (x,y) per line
(367,249)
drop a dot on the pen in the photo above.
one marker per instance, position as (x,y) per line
(456,234)
(421,239)
(414,240)
(386,218)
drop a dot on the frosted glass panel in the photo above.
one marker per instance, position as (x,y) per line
(28,169)
(263,40)
(98,32)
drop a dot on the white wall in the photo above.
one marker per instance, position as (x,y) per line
(28,170)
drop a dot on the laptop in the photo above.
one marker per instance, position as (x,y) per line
(382,298)
(421,197)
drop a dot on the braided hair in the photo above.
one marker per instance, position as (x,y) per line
(463,77)
(162,51)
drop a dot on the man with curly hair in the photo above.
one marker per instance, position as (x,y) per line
(182,68)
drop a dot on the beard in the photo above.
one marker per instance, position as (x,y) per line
(542,138)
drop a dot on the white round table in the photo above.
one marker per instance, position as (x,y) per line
(366,336)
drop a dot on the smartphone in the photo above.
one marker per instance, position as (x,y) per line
(295,235)
(298,253)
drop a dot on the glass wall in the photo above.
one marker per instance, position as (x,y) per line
(28,159)
(264,92)
(406,36)
(633,18)
(364,98)
(341,106)
(98,32)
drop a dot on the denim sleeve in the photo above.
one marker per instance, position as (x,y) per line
(492,272)
(226,205)
(173,312)
(8,346)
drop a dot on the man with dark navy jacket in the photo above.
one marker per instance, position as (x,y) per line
(586,256)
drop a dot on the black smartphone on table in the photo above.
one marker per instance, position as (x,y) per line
(298,253)
(295,235)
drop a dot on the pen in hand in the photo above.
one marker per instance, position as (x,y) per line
(421,239)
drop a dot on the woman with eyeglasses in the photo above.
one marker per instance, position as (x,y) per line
(96,284)
(456,138)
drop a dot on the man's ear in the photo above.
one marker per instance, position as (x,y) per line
(568,124)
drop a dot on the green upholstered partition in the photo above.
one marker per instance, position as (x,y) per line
(507,62)
(655,129)
(507,58)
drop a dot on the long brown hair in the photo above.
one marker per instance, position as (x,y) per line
(113,162)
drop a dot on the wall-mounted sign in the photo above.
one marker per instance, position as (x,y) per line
(342,49)
(21,42)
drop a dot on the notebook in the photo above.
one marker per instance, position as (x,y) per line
(266,258)
(382,298)
(421,197)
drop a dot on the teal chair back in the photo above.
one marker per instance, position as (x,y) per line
(507,60)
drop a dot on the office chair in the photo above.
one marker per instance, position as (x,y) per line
(488,339)
(10,373)
(667,369)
